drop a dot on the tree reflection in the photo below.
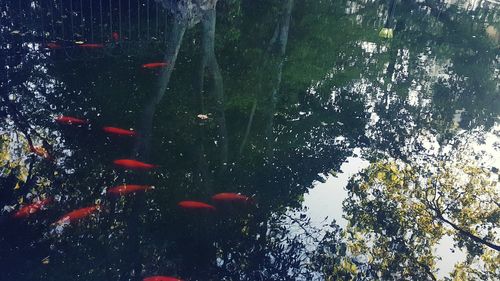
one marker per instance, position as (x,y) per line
(209,62)
(397,214)
(290,88)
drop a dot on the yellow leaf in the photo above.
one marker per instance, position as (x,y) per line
(23,173)
(386,33)
(17,186)
(354,268)
(394,177)
(4,156)
(46,260)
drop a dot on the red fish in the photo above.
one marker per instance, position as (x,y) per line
(154,65)
(231,198)
(40,151)
(128,188)
(78,214)
(119,131)
(67,120)
(91,46)
(115,36)
(134,164)
(195,205)
(161,278)
(32,208)
(53,46)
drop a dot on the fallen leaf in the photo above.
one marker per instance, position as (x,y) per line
(202,116)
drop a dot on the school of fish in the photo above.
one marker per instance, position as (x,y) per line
(71,217)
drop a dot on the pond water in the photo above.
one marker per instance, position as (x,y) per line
(351,140)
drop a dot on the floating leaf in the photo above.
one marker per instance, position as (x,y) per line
(202,116)
(46,260)
(23,173)
(386,33)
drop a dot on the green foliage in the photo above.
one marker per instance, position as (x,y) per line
(13,156)
(397,214)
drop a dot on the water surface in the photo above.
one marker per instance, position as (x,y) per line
(365,133)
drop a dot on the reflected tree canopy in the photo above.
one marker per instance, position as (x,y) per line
(264,98)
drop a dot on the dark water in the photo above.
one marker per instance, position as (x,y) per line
(365,157)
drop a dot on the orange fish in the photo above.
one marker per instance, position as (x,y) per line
(53,46)
(154,65)
(134,164)
(67,120)
(161,278)
(115,36)
(231,198)
(195,205)
(78,214)
(128,188)
(32,208)
(91,46)
(40,151)
(119,131)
